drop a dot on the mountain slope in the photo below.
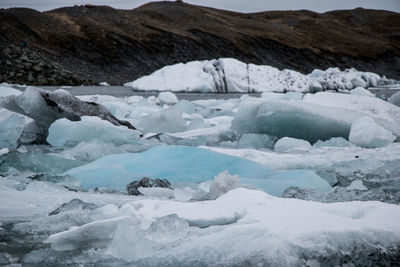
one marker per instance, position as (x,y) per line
(90,44)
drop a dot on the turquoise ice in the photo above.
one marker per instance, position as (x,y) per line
(186,164)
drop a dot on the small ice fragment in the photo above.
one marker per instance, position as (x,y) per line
(357,185)
(361,91)
(366,132)
(223,183)
(287,144)
(167,98)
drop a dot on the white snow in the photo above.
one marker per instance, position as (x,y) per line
(367,133)
(189,77)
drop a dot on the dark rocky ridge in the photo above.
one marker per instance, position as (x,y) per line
(91,44)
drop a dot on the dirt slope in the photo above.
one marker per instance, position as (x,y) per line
(91,44)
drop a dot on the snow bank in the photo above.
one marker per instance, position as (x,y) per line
(231,75)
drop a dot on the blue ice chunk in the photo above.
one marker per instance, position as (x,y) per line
(277,183)
(188,164)
(175,163)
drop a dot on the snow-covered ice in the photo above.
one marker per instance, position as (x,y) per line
(231,75)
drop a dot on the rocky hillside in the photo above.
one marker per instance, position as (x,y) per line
(91,44)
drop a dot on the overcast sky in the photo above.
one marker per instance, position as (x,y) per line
(236,5)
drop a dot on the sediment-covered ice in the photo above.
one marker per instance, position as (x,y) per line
(231,75)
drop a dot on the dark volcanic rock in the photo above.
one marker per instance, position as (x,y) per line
(99,43)
(24,65)
(132,188)
(45,107)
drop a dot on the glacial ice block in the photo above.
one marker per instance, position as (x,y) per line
(64,132)
(232,75)
(311,122)
(8,91)
(16,128)
(175,163)
(186,164)
(366,132)
(384,113)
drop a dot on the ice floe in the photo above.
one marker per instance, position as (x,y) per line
(242,226)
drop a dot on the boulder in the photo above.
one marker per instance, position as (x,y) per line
(146,182)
